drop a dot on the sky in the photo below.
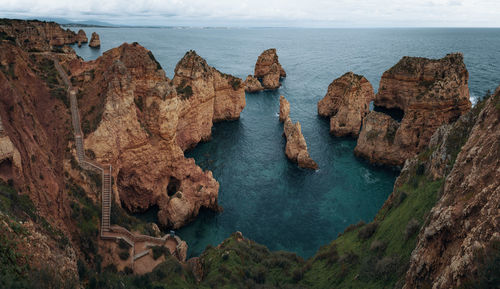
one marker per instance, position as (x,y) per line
(274,13)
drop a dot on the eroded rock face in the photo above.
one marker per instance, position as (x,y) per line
(81,37)
(296,147)
(269,69)
(252,84)
(95,42)
(206,95)
(34,35)
(346,103)
(284,108)
(464,222)
(430,92)
(133,113)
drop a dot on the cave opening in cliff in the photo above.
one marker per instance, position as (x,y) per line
(396,113)
(173,186)
(6,169)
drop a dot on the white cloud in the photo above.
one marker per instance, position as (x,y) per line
(265,12)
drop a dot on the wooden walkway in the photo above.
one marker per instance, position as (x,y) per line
(138,242)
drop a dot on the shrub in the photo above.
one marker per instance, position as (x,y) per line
(378,246)
(412,227)
(368,230)
(297,275)
(352,227)
(124,255)
(122,244)
(235,83)
(159,251)
(387,267)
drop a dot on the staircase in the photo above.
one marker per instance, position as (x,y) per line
(106,200)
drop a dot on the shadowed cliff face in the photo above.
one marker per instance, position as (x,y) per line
(461,234)
(206,95)
(430,92)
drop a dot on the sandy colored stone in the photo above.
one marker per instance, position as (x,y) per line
(206,95)
(269,69)
(296,147)
(95,42)
(346,103)
(465,219)
(252,84)
(430,92)
(284,108)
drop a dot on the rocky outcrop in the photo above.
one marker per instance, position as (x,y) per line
(81,37)
(346,103)
(34,35)
(296,147)
(461,233)
(95,42)
(252,84)
(284,108)
(430,93)
(131,116)
(206,95)
(269,69)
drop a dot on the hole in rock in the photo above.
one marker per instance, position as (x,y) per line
(396,113)
(173,186)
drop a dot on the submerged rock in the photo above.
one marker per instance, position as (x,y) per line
(431,92)
(346,103)
(95,42)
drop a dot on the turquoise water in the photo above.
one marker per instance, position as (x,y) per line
(265,196)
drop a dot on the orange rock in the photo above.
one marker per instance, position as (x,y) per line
(252,84)
(430,92)
(269,69)
(206,95)
(81,37)
(284,108)
(346,102)
(95,42)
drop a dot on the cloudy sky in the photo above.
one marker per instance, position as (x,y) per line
(302,13)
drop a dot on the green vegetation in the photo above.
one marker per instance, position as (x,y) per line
(49,74)
(159,251)
(5,36)
(235,83)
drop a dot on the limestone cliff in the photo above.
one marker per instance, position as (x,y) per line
(462,232)
(430,93)
(206,95)
(95,41)
(346,103)
(34,35)
(131,116)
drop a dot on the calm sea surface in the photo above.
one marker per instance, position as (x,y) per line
(265,196)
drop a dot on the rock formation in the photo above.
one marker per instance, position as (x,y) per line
(430,92)
(131,116)
(269,70)
(81,37)
(296,147)
(34,35)
(252,84)
(95,42)
(205,96)
(462,231)
(284,108)
(346,103)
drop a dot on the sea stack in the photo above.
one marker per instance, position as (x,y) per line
(268,70)
(430,93)
(81,37)
(95,42)
(346,103)
(296,147)
(284,108)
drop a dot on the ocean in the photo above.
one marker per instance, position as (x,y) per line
(264,195)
